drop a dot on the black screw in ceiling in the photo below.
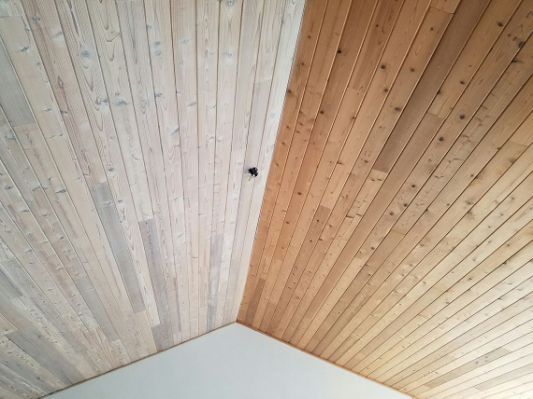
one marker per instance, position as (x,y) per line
(253,171)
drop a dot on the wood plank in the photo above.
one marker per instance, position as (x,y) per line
(183,14)
(228,56)
(207,26)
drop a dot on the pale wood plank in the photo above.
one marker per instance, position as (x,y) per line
(228,56)
(183,14)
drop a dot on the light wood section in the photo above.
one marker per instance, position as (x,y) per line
(395,233)
(127,213)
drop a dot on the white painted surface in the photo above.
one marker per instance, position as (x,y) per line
(234,362)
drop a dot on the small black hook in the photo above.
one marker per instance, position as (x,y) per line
(253,171)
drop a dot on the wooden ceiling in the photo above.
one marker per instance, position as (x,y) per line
(395,234)
(126,211)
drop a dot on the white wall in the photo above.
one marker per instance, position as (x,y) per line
(230,363)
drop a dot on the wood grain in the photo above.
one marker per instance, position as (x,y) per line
(126,209)
(395,233)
